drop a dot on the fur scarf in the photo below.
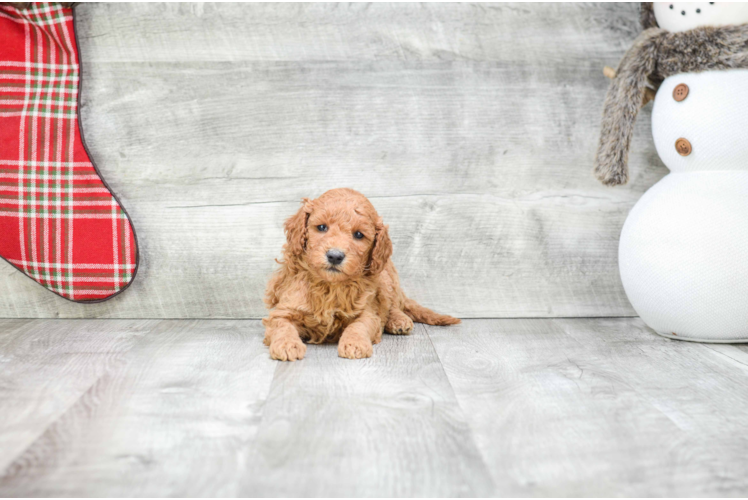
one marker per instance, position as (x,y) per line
(655,55)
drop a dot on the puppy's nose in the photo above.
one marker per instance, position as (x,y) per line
(335,256)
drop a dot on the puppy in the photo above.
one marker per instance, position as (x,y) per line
(337,283)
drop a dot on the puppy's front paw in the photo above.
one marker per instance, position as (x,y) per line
(355,348)
(399,324)
(287,349)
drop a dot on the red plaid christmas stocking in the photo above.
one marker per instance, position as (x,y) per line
(59,222)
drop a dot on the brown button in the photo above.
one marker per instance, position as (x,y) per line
(680,92)
(683,147)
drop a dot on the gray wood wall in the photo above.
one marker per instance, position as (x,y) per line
(472,128)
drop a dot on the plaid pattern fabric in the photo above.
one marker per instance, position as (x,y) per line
(59,223)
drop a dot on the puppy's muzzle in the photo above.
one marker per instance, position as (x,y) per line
(335,256)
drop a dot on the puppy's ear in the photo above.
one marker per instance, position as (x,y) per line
(381,250)
(296,230)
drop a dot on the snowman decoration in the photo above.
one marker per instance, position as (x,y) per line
(683,252)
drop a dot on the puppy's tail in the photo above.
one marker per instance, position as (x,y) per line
(420,314)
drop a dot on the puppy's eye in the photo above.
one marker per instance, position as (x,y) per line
(322,228)
(358,235)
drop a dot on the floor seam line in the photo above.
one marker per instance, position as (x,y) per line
(462,410)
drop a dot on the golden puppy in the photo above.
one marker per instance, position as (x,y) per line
(337,283)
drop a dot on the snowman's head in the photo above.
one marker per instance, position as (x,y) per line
(684,16)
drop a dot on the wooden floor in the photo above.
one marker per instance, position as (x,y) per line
(591,407)
(473,129)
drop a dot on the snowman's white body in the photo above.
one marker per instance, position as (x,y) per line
(683,252)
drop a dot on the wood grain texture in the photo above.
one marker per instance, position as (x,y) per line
(381,427)
(355,32)
(171,417)
(506,407)
(45,368)
(605,407)
(471,127)
(191,412)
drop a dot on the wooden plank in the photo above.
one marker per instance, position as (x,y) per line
(600,407)
(385,426)
(467,255)
(46,366)
(191,412)
(173,417)
(355,32)
(471,127)
(561,407)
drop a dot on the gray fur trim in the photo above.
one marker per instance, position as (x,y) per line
(656,55)
(647,16)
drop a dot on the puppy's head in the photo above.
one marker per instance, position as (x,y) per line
(339,236)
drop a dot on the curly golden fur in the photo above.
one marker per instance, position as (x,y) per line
(315,298)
